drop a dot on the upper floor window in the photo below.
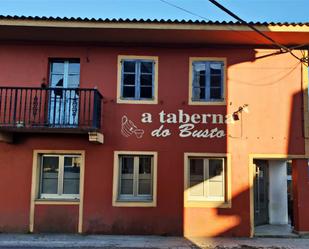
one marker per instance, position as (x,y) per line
(207,81)
(137,79)
(64,99)
(64,73)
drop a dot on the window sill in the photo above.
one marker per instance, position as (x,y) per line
(134,203)
(136,101)
(56,202)
(191,102)
(208,204)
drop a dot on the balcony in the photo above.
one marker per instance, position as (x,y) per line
(50,110)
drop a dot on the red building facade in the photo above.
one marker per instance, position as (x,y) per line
(151,128)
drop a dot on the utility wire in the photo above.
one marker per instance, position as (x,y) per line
(282,47)
(204,18)
(185,10)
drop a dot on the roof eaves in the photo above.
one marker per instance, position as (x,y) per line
(152,21)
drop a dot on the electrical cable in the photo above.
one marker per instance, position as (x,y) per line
(206,19)
(281,47)
(185,10)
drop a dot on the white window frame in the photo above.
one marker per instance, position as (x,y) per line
(135,196)
(60,194)
(137,83)
(200,201)
(154,99)
(207,196)
(206,101)
(137,200)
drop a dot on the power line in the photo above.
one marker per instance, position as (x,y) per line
(185,10)
(204,18)
(282,47)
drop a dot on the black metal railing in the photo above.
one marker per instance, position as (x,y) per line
(58,108)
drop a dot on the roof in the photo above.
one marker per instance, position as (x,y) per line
(149,31)
(134,20)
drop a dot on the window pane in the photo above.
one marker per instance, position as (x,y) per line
(216,189)
(215,80)
(199,67)
(215,93)
(144,181)
(215,68)
(145,165)
(57,67)
(128,92)
(57,80)
(129,79)
(127,169)
(74,68)
(146,80)
(73,81)
(127,165)
(50,168)
(71,175)
(146,67)
(129,66)
(126,187)
(216,178)
(199,71)
(199,80)
(216,170)
(144,187)
(198,93)
(146,92)
(196,177)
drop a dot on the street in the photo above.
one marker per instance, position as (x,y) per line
(62,241)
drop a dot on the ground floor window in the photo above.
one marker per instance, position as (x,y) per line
(207,179)
(59,176)
(135,178)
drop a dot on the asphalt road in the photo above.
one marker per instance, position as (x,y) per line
(78,247)
(217,247)
(50,241)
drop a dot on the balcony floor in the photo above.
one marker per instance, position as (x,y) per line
(48,129)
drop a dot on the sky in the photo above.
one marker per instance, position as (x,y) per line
(249,10)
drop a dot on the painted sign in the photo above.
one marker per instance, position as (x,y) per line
(186,124)
(128,128)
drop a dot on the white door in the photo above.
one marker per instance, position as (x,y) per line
(64,100)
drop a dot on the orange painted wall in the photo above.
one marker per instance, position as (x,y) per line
(271,86)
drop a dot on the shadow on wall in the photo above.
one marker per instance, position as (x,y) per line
(220,222)
(298,145)
(236,221)
(209,177)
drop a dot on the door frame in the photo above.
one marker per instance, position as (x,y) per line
(66,62)
(252,175)
(265,164)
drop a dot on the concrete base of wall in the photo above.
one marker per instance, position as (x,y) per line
(302,233)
